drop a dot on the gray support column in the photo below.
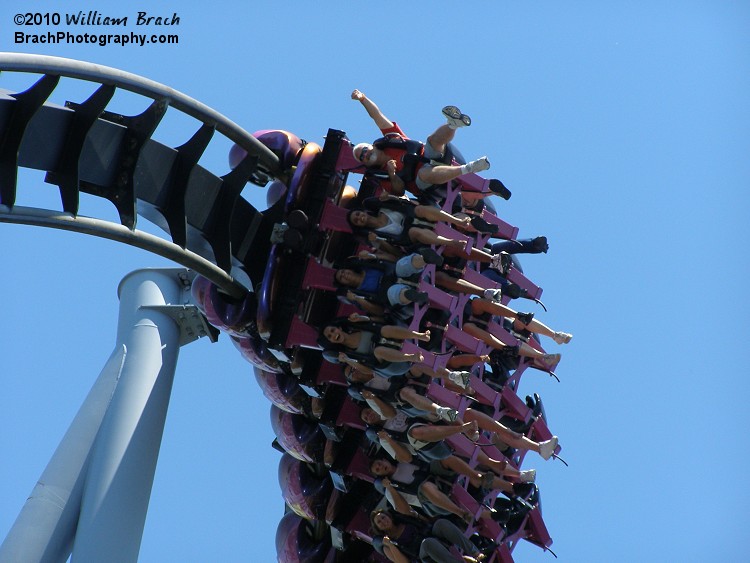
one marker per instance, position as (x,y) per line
(123,459)
(46,525)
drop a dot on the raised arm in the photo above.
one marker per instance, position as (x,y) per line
(384,410)
(372,110)
(396,449)
(396,500)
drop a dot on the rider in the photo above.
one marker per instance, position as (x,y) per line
(411,165)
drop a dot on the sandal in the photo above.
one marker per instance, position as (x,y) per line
(551,360)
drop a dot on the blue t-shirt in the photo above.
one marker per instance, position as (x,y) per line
(371,283)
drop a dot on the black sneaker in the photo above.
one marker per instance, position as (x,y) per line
(525,318)
(416,296)
(430,256)
(498,188)
(513,290)
(540,244)
(483,226)
(501,262)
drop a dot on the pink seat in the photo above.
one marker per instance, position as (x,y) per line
(431,360)
(447,398)
(501,334)
(318,276)
(464,448)
(346,160)
(333,218)
(331,373)
(532,291)
(537,531)
(445,230)
(438,298)
(302,334)
(463,341)
(472,276)
(505,230)
(512,405)
(484,393)
(349,414)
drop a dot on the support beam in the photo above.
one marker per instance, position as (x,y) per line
(46,526)
(123,459)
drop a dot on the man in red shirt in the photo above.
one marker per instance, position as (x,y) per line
(411,165)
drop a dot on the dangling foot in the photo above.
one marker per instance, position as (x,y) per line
(424,336)
(499,189)
(501,262)
(547,448)
(478,165)
(455,118)
(513,290)
(528,476)
(471,431)
(539,244)
(430,256)
(460,378)
(562,337)
(493,295)
(446,414)
(483,226)
(459,245)
(416,296)
(551,360)
(524,318)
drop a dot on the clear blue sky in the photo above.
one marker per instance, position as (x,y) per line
(622,131)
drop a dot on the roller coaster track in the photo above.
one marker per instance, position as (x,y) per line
(211,229)
(84,148)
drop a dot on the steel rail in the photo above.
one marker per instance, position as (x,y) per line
(116,232)
(59,66)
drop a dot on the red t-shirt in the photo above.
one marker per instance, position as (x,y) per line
(395,154)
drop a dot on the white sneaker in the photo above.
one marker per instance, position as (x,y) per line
(528,476)
(493,294)
(460,378)
(547,448)
(449,415)
(501,262)
(562,337)
(455,118)
(478,165)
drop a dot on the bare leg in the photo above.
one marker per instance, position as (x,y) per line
(539,327)
(416,400)
(513,439)
(434,214)
(458,285)
(441,137)
(402,333)
(486,337)
(427,237)
(498,467)
(480,256)
(474,254)
(386,354)
(479,306)
(441,500)
(429,433)
(459,466)
(439,174)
